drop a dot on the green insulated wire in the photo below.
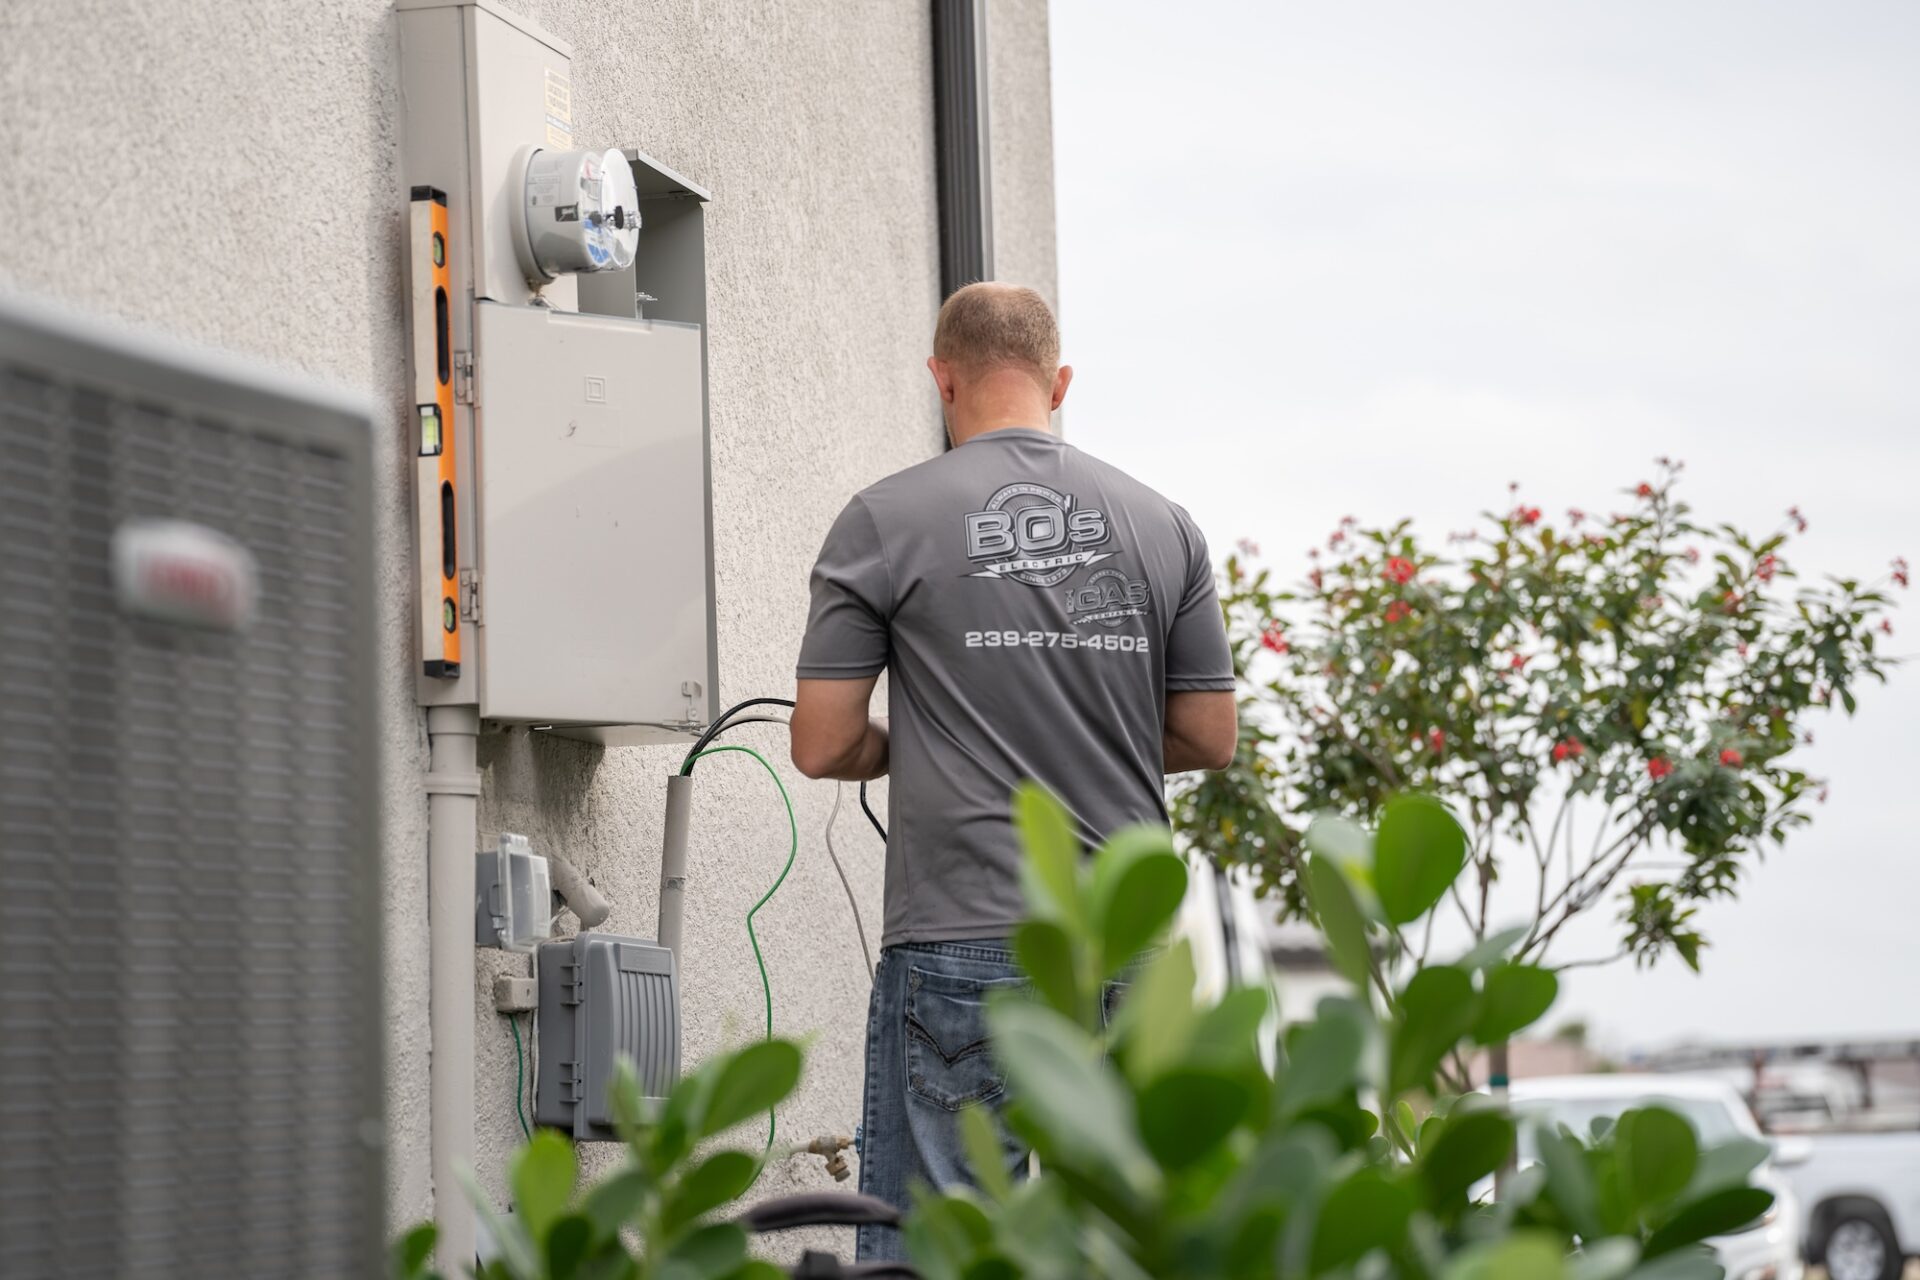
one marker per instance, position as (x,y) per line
(519,1078)
(793,851)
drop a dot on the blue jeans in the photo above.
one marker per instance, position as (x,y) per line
(928,1059)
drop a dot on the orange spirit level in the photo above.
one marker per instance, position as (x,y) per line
(435,505)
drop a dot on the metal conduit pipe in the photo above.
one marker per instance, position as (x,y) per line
(453,834)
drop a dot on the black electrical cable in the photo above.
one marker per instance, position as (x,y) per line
(868,810)
(714,730)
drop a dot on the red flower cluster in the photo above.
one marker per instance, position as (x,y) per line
(1527,515)
(1693,555)
(1274,638)
(1886,625)
(1398,610)
(1399,570)
(1645,490)
(1437,740)
(1659,767)
(1732,758)
(1517,663)
(1900,571)
(1568,749)
(1575,516)
(1767,567)
(1799,521)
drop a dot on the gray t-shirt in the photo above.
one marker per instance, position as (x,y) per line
(1034,607)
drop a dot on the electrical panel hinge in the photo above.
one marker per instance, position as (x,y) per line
(470,596)
(463,376)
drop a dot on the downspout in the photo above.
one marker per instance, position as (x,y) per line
(962,142)
(453,834)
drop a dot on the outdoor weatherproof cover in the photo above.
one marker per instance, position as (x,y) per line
(190,1034)
(603,996)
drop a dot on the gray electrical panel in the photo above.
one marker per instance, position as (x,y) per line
(601,997)
(191,1034)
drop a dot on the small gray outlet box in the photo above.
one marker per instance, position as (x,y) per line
(602,996)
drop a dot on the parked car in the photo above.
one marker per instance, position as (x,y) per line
(1862,1196)
(1770,1248)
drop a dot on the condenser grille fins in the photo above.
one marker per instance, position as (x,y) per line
(189,1030)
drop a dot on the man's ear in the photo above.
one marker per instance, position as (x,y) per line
(1060,383)
(942,378)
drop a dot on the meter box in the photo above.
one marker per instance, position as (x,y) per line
(593,545)
(602,997)
(565,545)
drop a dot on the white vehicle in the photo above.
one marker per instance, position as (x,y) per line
(1862,1198)
(1770,1249)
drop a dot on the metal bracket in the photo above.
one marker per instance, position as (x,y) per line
(470,596)
(463,376)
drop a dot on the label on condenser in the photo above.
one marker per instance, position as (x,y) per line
(173,571)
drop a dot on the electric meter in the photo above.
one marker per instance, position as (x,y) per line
(578,211)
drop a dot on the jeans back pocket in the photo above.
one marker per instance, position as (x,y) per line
(949,1060)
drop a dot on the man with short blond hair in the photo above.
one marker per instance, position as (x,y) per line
(1041,615)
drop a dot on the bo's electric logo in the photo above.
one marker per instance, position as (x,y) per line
(1032,534)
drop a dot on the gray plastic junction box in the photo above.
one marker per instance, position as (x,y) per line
(602,996)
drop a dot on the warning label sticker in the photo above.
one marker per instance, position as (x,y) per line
(559,107)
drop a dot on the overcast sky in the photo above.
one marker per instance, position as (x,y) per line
(1383,258)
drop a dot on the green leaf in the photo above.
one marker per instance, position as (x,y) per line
(749,1081)
(1570,1183)
(1524,1255)
(1324,1059)
(1071,1096)
(986,1155)
(1155,1024)
(411,1251)
(567,1243)
(1436,1011)
(1045,952)
(1051,870)
(542,1178)
(1657,1151)
(1512,998)
(1727,1165)
(1718,1213)
(1340,919)
(1188,1112)
(615,1202)
(707,1254)
(509,1231)
(1417,852)
(1228,1034)
(1341,839)
(1492,949)
(1610,1258)
(1142,900)
(1696,1262)
(719,1179)
(1472,1146)
(1361,1214)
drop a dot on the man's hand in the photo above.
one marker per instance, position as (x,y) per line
(832,734)
(1203,731)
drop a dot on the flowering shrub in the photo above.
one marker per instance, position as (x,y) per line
(1589,690)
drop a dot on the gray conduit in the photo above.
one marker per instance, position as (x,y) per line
(453,833)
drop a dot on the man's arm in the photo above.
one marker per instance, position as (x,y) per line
(833,737)
(1202,732)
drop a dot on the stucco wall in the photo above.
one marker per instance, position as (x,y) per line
(245,165)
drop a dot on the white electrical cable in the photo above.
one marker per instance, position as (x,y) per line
(839,789)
